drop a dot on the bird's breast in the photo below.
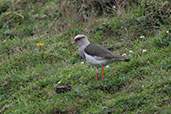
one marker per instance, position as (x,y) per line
(94,60)
(81,52)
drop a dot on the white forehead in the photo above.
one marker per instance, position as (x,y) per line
(79,36)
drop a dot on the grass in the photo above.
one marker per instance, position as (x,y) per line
(29,74)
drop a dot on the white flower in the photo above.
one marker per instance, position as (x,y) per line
(148,62)
(142,37)
(144,50)
(60,81)
(104,23)
(123,54)
(107,66)
(167,32)
(130,51)
(114,7)
(82,63)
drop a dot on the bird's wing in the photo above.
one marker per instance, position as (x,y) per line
(99,51)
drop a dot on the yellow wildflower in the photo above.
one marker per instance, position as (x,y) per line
(40,44)
(15,28)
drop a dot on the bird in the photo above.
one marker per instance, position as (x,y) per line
(96,55)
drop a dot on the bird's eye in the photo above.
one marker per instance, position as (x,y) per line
(78,39)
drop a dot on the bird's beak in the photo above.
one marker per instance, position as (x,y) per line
(73,42)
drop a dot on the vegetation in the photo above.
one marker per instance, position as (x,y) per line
(36,56)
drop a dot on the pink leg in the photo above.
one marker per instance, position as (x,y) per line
(102,71)
(97,73)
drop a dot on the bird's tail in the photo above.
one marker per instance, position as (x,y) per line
(127,59)
(121,58)
(124,58)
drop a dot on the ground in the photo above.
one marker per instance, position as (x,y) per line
(36,56)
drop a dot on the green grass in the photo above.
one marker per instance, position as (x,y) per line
(29,74)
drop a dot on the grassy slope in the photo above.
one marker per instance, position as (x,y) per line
(29,74)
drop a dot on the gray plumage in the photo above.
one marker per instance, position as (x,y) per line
(95,50)
(99,51)
(96,55)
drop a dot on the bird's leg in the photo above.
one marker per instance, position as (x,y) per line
(97,73)
(102,71)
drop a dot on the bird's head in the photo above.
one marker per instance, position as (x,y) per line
(81,40)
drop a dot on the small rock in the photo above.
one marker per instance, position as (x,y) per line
(62,89)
